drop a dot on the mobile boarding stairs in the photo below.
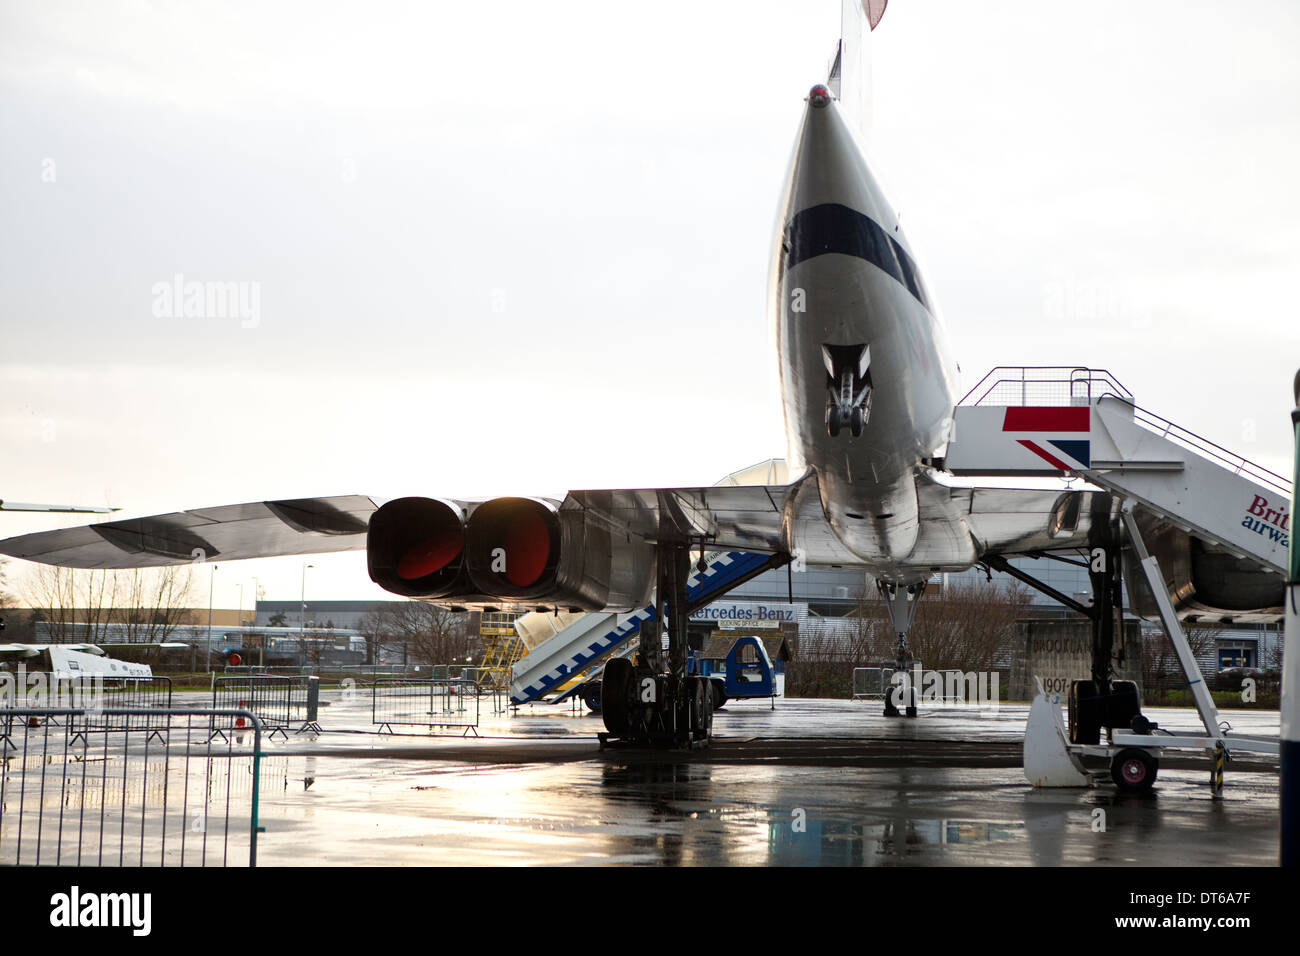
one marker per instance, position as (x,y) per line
(1080,423)
(568,648)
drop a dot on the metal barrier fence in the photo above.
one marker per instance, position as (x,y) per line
(333,673)
(425,703)
(948,686)
(157,796)
(94,692)
(871,683)
(131,692)
(279,702)
(148,697)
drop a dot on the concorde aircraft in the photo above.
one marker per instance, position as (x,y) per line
(869,387)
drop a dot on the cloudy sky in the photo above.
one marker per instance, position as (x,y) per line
(495,247)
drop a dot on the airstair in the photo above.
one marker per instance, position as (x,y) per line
(1087,426)
(579,642)
(1081,423)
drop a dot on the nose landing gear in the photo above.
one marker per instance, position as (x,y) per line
(848,388)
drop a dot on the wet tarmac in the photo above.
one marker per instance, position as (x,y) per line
(809,782)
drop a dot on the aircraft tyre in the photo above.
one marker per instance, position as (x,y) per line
(700,693)
(1084,708)
(616,696)
(719,693)
(1124,704)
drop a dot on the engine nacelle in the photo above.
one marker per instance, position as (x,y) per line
(532,551)
(1201,581)
(526,551)
(416,547)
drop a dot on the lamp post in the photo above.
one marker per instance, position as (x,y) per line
(302,621)
(212,578)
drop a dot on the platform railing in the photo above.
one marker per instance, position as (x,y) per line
(1043,385)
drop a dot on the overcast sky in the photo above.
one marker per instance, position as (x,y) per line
(497,246)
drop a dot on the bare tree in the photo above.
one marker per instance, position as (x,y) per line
(1161,669)
(156,601)
(52,594)
(971,628)
(79,604)
(7,599)
(16,629)
(433,634)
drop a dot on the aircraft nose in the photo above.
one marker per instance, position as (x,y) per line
(830,166)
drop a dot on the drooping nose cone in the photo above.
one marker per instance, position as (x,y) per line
(833,202)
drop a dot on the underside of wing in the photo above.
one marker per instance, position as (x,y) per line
(260,529)
(737,517)
(1012,521)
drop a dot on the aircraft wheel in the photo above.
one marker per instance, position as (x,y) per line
(701,696)
(855,423)
(719,694)
(1133,770)
(616,688)
(834,423)
(1124,704)
(1084,709)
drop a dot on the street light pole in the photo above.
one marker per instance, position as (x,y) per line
(302,621)
(212,578)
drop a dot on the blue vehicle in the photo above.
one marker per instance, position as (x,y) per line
(746,671)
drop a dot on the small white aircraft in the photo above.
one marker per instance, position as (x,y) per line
(869,387)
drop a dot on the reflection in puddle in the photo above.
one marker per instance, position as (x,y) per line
(979,831)
(839,843)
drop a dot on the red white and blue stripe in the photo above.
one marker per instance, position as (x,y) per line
(1056,434)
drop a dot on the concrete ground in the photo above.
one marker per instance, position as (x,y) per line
(811,782)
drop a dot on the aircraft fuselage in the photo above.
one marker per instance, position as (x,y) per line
(856,329)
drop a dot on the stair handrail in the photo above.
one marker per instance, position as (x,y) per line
(1238,464)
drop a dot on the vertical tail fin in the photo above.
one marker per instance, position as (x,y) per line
(849,77)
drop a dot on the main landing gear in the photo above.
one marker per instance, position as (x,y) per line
(1103,703)
(901,601)
(655,702)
